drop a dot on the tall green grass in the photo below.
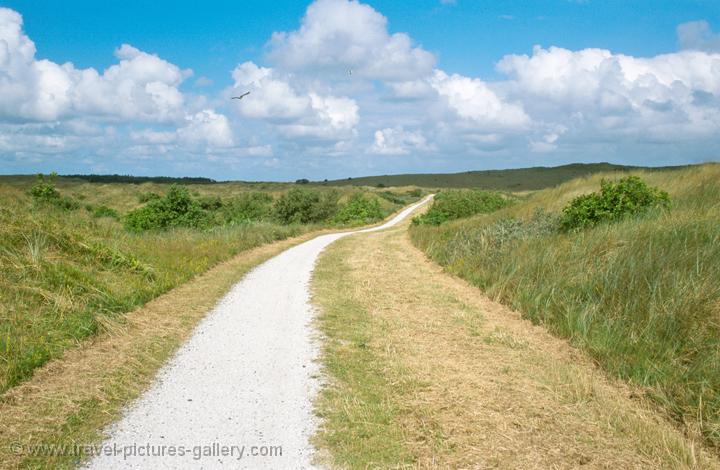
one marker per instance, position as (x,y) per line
(63,275)
(641,296)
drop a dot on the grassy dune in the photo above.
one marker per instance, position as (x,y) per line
(641,296)
(65,274)
(425,372)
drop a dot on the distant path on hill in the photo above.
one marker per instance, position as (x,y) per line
(241,389)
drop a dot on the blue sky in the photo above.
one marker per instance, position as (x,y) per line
(608,83)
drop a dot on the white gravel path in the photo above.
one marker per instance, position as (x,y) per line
(243,383)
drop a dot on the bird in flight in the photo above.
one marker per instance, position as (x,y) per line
(241,96)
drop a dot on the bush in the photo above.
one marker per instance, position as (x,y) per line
(304,206)
(44,191)
(302,181)
(176,209)
(456,204)
(628,196)
(247,207)
(359,209)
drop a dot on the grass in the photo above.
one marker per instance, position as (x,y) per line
(66,274)
(641,295)
(520,179)
(362,409)
(425,372)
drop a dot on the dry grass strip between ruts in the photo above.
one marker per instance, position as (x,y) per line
(424,371)
(70,400)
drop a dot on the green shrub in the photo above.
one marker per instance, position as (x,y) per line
(44,189)
(176,209)
(456,204)
(300,205)
(628,196)
(359,209)
(247,207)
(44,192)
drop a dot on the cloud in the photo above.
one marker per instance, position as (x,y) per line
(202,82)
(340,35)
(295,110)
(697,35)
(397,141)
(269,97)
(207,127)
(616,94)
(140,86)
(57,108)
(472,99)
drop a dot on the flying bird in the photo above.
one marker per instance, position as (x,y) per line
(241,96)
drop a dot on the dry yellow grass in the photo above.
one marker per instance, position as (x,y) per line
(426,372)
(71,399)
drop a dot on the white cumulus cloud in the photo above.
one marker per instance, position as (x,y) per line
(140,86)
(472,98)
(295,110)
(342,35)
(397,141)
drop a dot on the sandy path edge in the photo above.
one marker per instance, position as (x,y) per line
(242,384)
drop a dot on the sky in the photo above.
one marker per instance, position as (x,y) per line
(344,88)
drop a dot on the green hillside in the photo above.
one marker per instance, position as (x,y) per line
(520,179)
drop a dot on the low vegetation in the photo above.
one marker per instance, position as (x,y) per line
(176,209)
(457,204)
(425,372)
(360,209)
(302,206)
(626,198)
(75,256)
(629,274)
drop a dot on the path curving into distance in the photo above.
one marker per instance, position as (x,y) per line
(242,385)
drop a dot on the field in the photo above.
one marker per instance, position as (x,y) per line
(521,179)
(69,273)
(640,295)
